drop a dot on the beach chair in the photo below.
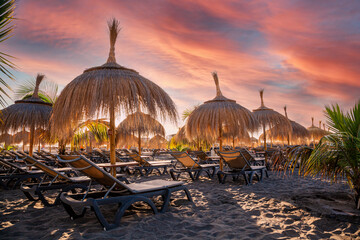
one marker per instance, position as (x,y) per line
(239,165)
(260,161)
(201,156)
(61,179)
(145,167)
(13,173)
(118,193)
(191,167)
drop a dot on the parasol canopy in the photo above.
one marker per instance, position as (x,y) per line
(208,120)
(107,90)
(139,124)
(298,132)
(269,118)
(32,113)
(315,132)
(157,142)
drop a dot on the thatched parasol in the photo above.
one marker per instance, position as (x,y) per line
(269,118)
(180,136)
(236,138)
(32,113)
(106,90)
(208,120)
(297,131)
(315,132)
(157,142)
(139,124)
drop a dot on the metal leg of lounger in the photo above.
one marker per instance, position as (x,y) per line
(246,178)
(125,204)
(172,174)
(251,176)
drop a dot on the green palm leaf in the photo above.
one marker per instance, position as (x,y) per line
(7,8)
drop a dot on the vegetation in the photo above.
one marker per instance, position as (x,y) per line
(7,8)
(337,155)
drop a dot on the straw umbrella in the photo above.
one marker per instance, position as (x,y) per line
(269,118)
(32,113)
(297,131)
(139,124)
(208,120)
(107,90)
(157,142)
(315,132)
(180,136)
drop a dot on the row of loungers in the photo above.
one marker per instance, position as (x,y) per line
(78,192)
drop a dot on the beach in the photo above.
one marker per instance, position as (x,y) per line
(279,207)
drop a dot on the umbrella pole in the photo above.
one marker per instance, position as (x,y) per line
(31,139)
(139,143)
(220,148)
(265,147)
(112,138)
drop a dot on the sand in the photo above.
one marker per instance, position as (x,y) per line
(277,208)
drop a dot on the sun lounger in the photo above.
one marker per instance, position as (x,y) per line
(260,161)
(16,174)
(239,165)
(191,167)
(147,167)
(123,195)
(62,179)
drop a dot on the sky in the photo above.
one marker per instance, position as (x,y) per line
(304,54)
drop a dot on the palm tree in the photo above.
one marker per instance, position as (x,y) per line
(48,91)
(7,8)
(338,154)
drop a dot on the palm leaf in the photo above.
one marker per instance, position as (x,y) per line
(7,8)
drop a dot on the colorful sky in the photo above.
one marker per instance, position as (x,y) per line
(304,53)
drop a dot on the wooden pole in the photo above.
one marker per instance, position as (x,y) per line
(31,140)
(112,138)
(139,142)
(220,147)
(265,147)
(39,146)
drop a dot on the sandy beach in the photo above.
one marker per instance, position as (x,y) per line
(277,208)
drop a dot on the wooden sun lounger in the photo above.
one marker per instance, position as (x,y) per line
(124,195)
(193,168)
(239,165)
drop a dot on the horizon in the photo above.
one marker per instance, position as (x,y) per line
(303,53)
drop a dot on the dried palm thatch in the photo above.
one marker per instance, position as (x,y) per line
(127,139)
(315,132)
(208,120)
(269,118)
(157,142)
(106,90)
(139,124)
(30,113)
(180,136)
(298,132)
(7,139)
(238,138)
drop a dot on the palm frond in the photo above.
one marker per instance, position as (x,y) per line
(7,8)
